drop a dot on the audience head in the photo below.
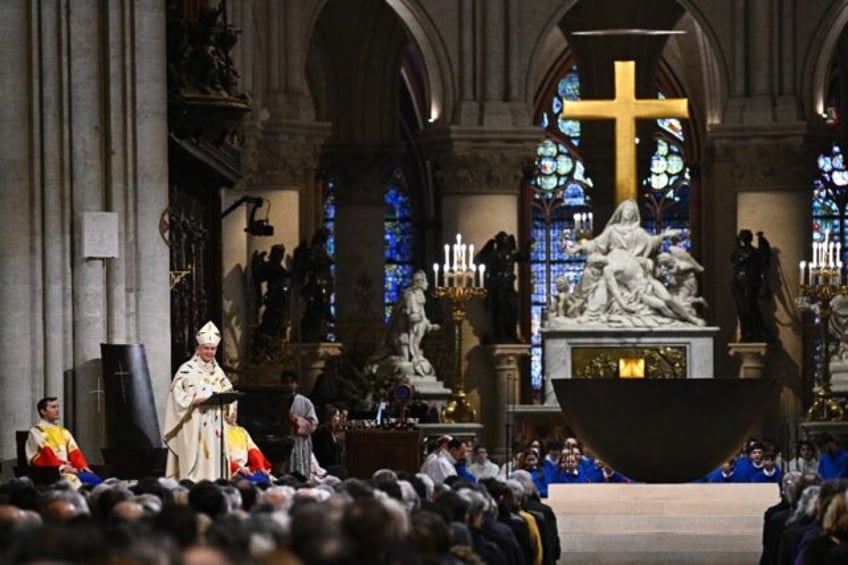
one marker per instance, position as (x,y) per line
(207,498)
(805,449)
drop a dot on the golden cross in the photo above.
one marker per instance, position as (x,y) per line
(625,109)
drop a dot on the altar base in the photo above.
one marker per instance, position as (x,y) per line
(598,352)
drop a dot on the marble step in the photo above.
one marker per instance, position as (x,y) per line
(658,524)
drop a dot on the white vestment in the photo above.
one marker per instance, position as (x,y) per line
(193,433)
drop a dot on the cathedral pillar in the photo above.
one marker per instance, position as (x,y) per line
(750,192)
(84,100)
(480,178)
(282,159)
(496,408)
(361,179)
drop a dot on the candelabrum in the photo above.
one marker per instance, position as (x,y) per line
(461,281)
(821,283)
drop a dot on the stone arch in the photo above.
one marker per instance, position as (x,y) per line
(547,53)
(354,71)
(816,67)
(440,84)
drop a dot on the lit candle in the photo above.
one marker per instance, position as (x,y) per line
(482,272)
(803,266)
(447,257)
(471,256)
(577,222)
(472,278)
(591,223)
(462,252)
(436,273)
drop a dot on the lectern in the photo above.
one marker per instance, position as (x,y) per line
(219,400)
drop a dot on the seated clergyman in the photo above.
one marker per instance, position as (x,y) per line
(51,445)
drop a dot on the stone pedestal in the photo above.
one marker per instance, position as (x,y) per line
(753,358)
(839,376)
(593,352)
(311,360)
(506,390)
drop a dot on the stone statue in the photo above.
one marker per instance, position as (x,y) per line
(500,255)
(680,270)
(409,324)
(401,354)
(839,356)
(749,286)
(619,286)
(314,274)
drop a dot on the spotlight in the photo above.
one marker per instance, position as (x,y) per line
(256,227)
(259,227)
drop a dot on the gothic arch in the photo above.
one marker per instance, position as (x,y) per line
(440,87)
(359,47)
(714,63)
(550,45)
(816,67)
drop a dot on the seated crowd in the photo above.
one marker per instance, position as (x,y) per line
(810,523)
(394,517)
(461,507)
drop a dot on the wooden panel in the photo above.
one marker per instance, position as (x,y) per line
(369,450)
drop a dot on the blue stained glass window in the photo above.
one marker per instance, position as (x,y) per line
(330,224)
(398,242)
(830,199)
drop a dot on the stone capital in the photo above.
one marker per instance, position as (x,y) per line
(284,154)
(481,161)
(773,158)
(362,175)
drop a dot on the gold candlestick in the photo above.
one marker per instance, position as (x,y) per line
(460,284)
(825,283)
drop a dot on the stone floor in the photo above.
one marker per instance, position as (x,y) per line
(661,524)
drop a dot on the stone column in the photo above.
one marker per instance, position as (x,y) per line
(776,201)
(281,160)
(480,176)
(362,178)
(94,73)
(506,389)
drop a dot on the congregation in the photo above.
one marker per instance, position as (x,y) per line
(233,506)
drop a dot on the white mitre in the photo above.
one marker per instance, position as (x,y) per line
(208,335)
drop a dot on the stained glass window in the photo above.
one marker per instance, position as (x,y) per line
(562,190)
(830,198)
(398,242)
(829,204)
(665,192)
(330,224)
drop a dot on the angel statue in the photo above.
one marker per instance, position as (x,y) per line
(274,303)
(499,255)
(313,271)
